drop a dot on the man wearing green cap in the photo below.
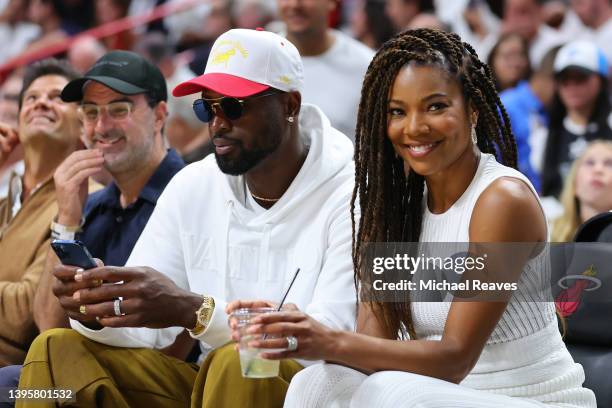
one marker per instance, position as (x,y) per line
(124,137)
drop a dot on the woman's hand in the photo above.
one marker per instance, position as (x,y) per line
(314,340)
(243,304)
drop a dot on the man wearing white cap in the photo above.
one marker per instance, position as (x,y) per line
(274,198)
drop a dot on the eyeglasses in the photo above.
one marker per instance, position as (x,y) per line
(232,108)
(116,110)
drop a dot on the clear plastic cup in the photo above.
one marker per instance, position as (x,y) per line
(251,363)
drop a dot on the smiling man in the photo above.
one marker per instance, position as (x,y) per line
(275,197)
(48,131)
(123,108)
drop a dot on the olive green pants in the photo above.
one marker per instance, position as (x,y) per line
(105,376)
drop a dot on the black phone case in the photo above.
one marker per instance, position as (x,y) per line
(73,253)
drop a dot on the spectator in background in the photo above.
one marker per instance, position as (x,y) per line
(78,14)
(401,12)
(334,63)
(580,112)
(184,131)
(208,28)
(370,23)
(587,190)
(524,17)
(140,7)
(476,23)
(553,13)
(9,116)
(509,61)
(597,16)
(49,15)
(571,28)
(15,32)
(252,13)
(107,11)
(49,131)
(9,99)
(84,52)
(526,105)
(427,20)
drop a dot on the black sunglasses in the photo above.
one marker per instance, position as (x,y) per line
(232,107)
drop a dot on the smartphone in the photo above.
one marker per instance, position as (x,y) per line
(73,253)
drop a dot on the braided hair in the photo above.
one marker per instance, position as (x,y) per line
(391,198)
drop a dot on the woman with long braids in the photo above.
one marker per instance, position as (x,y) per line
(430,132)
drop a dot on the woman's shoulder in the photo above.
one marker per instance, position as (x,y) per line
(493,170)
(507,207)
(508,210)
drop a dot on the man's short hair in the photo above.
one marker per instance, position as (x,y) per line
(50,66)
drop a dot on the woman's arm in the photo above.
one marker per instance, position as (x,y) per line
(506,212)
(367,322)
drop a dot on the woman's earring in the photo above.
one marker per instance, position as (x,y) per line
(290,119)
(474,136)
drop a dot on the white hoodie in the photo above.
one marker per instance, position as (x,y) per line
(204,237)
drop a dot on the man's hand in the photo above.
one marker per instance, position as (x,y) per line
(150,299)
(65,286)
(8,141)
(71,178)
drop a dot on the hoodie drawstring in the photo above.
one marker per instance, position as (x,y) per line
(230,213)
(264,247)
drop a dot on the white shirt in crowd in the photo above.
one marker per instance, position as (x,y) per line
(16,38)
(208,238)
(183,106)
(333,81)
(546,39)
(5,177)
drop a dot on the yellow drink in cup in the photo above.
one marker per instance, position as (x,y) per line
(252,364)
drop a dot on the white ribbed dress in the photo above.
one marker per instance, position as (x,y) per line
(524,363)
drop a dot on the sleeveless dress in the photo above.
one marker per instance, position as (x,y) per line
(523,364)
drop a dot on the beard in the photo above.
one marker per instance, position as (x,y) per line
(246,160)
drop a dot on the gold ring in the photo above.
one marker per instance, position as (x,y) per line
(83,309)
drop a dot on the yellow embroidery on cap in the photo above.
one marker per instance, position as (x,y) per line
(285,79)
(225,50)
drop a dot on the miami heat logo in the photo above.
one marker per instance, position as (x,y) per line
(569,298)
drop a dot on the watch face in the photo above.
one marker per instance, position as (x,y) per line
(205,311)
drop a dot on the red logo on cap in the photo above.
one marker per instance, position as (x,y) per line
(259,29)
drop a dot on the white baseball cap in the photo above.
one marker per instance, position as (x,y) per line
(583,55)
(246,62)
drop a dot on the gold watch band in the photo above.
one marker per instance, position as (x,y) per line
(203,315)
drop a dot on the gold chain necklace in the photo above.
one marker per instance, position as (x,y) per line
(270,200)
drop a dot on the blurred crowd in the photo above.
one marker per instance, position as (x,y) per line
(550,60)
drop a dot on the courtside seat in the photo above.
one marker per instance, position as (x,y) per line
(589,329)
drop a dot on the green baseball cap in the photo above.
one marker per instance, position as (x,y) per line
(124,72)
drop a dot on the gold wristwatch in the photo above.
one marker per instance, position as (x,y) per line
(203,315)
